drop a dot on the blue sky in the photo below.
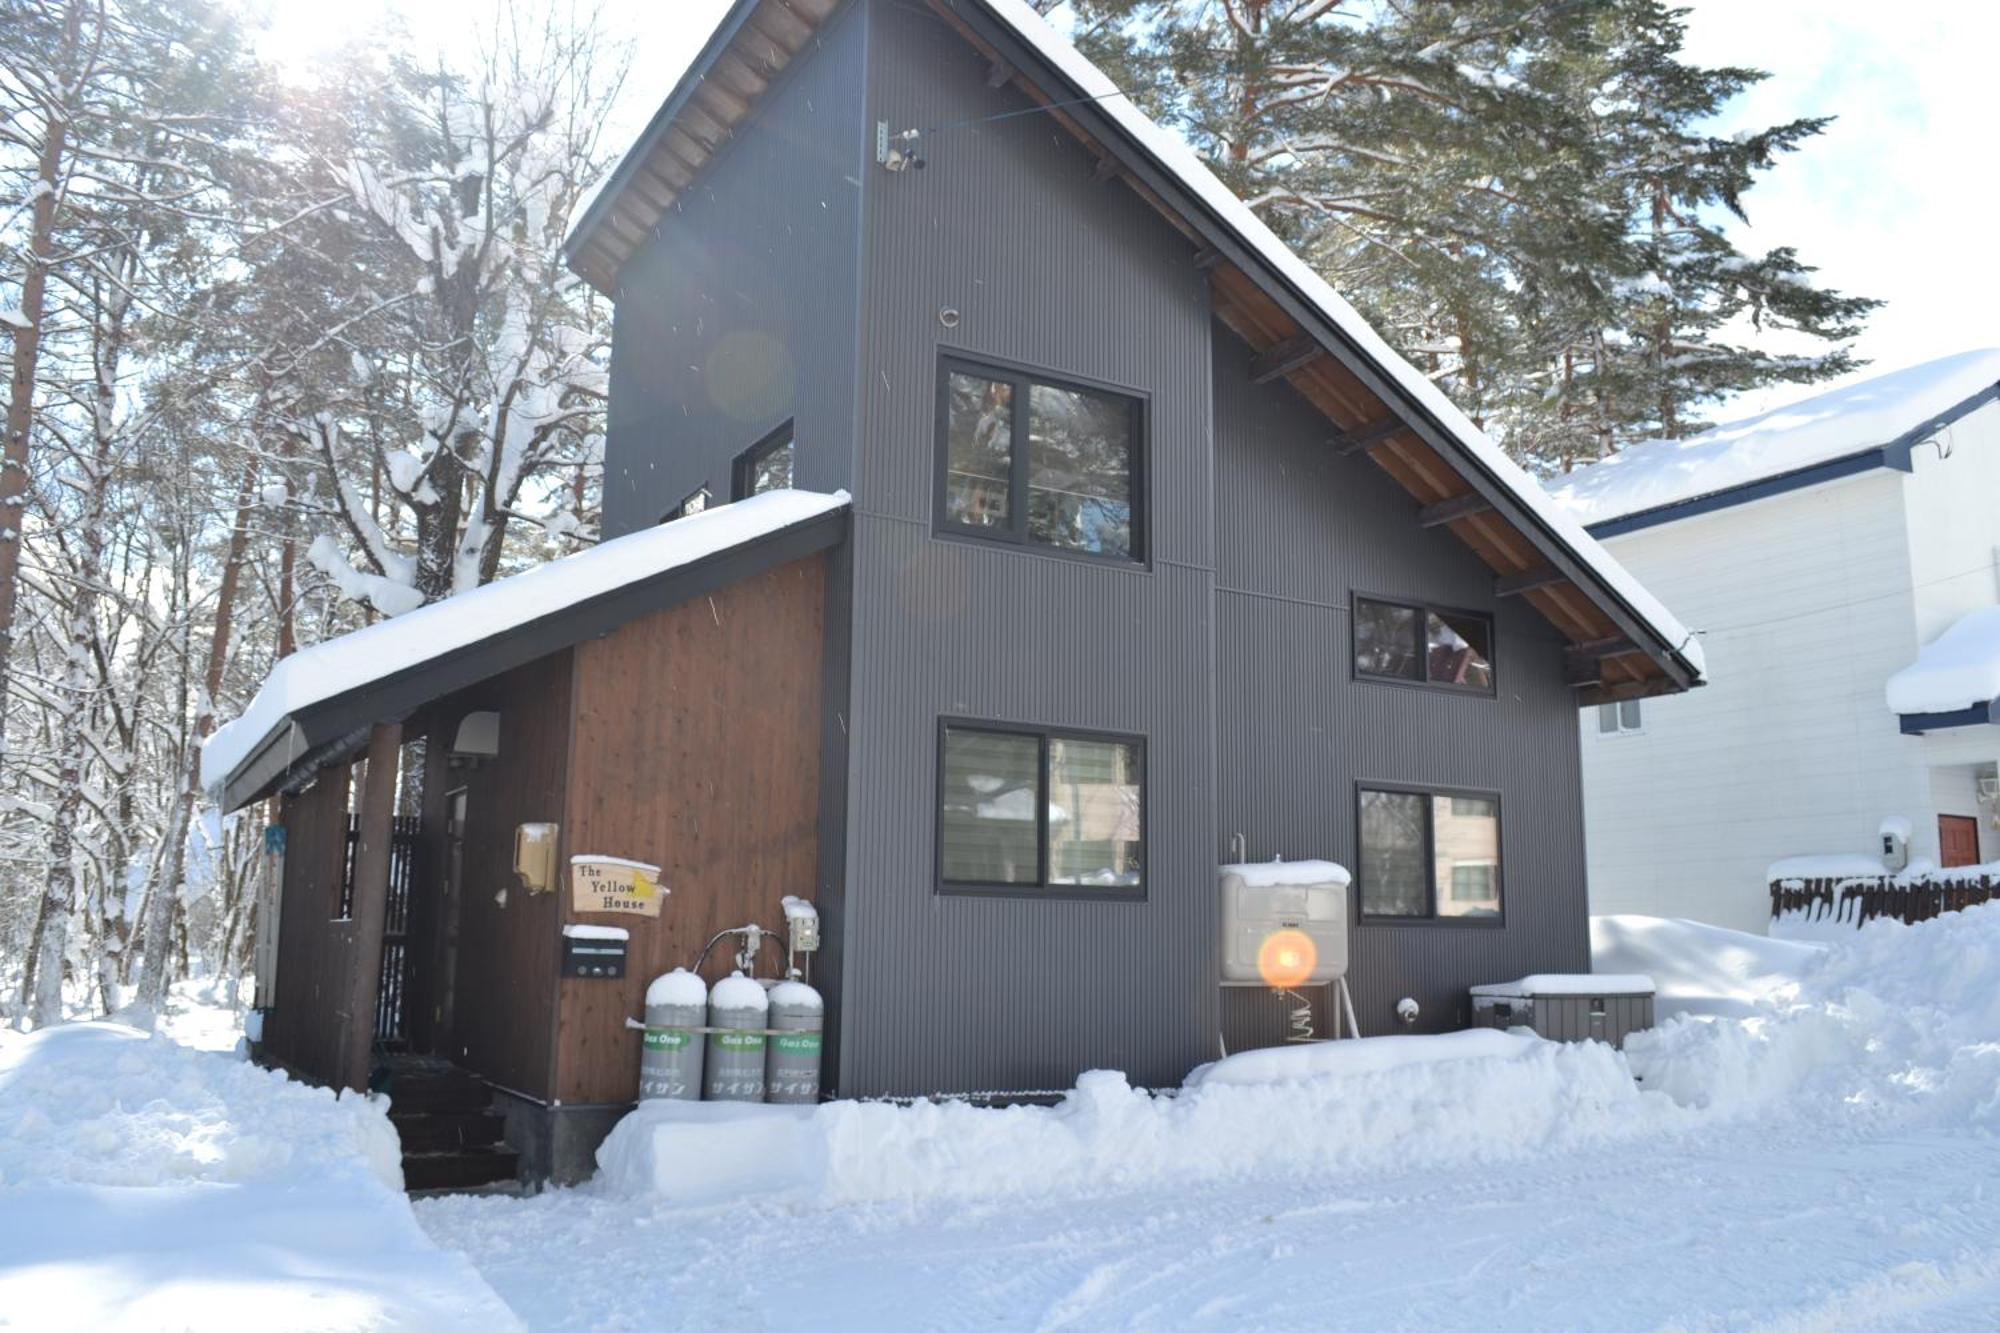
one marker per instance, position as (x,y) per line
(1897,200)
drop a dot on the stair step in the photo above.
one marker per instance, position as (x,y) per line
(461,1169)
(442,1131)
(451,1091)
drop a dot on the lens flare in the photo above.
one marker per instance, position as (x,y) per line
(1286,958)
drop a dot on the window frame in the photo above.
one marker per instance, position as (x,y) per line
(681,511)
(1432,918)
(1424,610)
(1618,727)
(744,468)
(1015,535)
(1041,889)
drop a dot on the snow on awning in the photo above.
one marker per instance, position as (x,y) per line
(319,675)
(1959,671)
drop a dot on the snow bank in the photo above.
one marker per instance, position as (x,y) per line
(1696,968)
(325,670)
(1958,669)
(147,1185)
(1369,1105)
(1902,1021)
(1816,430)
(1832,865)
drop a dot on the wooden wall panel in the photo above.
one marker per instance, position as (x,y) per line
(303,1029)
(696,746)
(507,955)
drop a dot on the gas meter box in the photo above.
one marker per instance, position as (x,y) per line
(1264,898)
(597,952)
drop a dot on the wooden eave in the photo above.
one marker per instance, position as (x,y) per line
(1370,414)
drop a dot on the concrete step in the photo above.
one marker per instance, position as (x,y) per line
(463,1168)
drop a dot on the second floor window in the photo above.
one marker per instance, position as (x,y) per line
(696,501)
(766,465)
(1423,645)
(1621,717)
(1038,462)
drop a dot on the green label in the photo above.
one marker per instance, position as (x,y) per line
(740,1041)
(797,1043)
(667,1041)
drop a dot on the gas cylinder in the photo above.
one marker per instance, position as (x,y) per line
(791,1059)
(736,1056)
(670,1061)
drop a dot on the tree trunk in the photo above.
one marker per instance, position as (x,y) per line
(27,358)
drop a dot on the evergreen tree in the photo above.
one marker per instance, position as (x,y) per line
(1516,192)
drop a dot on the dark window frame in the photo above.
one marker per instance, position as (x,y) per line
(1431,919)
(1015,535)
(1424,610)
(680,510)
(744,469)
(1041,889)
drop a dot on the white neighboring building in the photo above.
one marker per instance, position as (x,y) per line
(1817,549)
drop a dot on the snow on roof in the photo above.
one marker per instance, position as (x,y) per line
(1958,669)
(1831,425)
(1289,874)
(1176,157)
(326,670)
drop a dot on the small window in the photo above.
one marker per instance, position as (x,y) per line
(1037,462)
(1621,717)
(1423,645)
(696,501)
(1428,856)
(1038,811)
(765,465)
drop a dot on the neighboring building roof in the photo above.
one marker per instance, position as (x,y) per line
(1530,540)
(313,699)
(1846,430)
(1957,673)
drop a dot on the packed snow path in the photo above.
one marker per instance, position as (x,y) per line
(1753,1229)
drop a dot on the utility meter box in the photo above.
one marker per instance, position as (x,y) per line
(1260,899)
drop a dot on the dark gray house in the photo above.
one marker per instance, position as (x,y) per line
(1156,557)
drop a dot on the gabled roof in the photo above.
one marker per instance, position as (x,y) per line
(322,699)
(1625,643)
(1846,430)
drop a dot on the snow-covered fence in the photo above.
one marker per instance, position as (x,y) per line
(1910,897)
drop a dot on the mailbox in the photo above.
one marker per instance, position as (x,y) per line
(596,952)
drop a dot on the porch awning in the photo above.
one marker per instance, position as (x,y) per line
(1955,681)
(323,698)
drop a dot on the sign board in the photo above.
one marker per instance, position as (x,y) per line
(614,884)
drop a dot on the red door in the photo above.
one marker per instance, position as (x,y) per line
(1958,840)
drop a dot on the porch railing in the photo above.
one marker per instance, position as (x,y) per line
(389,1025)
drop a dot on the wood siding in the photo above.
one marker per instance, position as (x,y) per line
(315,949)
(507,943)
(697,748)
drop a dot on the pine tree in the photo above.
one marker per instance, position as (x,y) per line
(1481,179)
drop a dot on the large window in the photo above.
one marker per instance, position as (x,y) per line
(765,465)
(696,501)
(1430,856)
(1423,645)
(1041,463)
(1031,811)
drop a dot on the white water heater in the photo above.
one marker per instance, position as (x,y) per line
(1263,902)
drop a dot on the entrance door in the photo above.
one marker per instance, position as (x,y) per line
(1958,840)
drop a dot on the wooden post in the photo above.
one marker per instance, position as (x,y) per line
(371,901)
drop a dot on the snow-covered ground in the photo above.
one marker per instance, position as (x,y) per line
(145,1184)
(1809,1144)
(1814,1150)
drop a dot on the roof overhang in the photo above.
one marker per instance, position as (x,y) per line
(309,738)
(1897,455)
(1618,650)
(1979,715)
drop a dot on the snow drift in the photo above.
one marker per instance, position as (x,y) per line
(1348,1107)
(1903,1021)
(1697,968)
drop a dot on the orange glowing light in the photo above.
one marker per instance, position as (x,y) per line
(1286,958)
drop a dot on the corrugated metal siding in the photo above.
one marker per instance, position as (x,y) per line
(1048,268)
(1297,531)
(740,313)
